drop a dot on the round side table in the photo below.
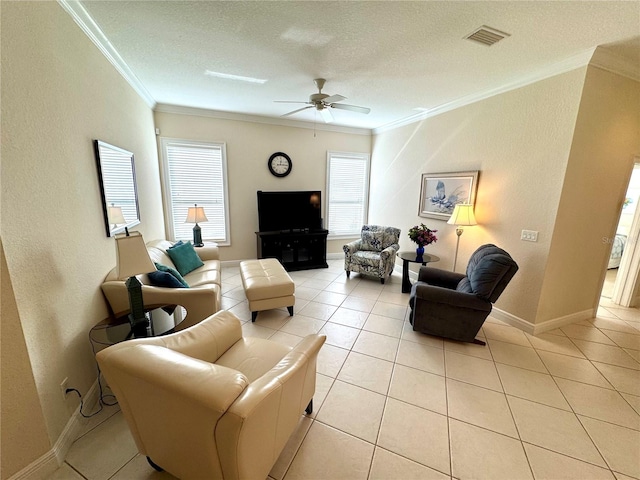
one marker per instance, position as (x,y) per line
(410,257)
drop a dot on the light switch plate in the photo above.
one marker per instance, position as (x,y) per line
(529,236)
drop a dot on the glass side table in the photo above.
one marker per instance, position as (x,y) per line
(410,257)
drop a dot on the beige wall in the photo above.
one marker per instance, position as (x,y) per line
(249,146)
(520,142)
(58,94)
(606,138)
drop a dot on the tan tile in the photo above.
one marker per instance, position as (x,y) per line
(633,353)
(600,403)
(611,324)
(289,451)
(505,333)
(465,348)
(274,318)
(394,297)
(387,465)
(241,310)
(364,290)
(348,317)
(377,345)
(408,333)
(623,379)
(330,360)
(321,311)
(632,400)
(101,452)
(339,287)
(390,310)
(139,469)
(423,389)
(589,334)
(323,385)
(302,326)
(367,372)
(407,429)
(623,339)
(553,429)
(316,283)
(286,338)
(330,453)
(360,304)
(481,407)
(383,325)
(330,298)
(578,369)
(339,335)
(472,370)
(618,445)
(516,355)
(534,386)
(306,293)
(65,472)
(422,357)
(548,465)
(556,344)
(479,453)
(353,410)
(632,314)
(611,354)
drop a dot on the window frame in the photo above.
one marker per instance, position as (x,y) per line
(365,157)
(166,186)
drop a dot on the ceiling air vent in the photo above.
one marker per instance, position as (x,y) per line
(487,36)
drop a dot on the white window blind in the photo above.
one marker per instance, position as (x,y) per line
(196,173)
(348,192)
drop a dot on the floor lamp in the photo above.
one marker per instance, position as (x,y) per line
(462,216)
(133,259)
(195,215)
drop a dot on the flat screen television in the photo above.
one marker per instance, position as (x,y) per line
(289,211)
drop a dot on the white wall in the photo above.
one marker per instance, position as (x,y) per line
(249,146)
(58,94)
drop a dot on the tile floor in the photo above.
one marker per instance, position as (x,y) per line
(394,404)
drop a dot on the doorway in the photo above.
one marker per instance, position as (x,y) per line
(624,261)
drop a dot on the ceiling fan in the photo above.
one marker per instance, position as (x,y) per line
(323,102)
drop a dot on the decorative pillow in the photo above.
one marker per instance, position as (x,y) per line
(177,244)
(185,258)
(164,279)
(174,272)
(372,241)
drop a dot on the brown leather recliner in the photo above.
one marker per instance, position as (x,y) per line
(206,402)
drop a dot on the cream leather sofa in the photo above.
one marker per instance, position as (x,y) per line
(200,300)
(206,403)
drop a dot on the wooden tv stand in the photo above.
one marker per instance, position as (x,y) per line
(296,249)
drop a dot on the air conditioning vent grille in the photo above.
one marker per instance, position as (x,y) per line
(487,36)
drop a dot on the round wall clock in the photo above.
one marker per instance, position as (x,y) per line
(280,164)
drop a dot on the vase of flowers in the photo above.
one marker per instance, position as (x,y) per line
(422,235)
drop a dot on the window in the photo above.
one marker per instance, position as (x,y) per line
(196,173)
(348,192)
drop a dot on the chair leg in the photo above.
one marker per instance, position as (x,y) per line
(254,315)
(382,280)
(290,310)
(348,273)
(309,408)
(478,342)
(155,467)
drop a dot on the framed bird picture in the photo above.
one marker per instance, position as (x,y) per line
(441,192)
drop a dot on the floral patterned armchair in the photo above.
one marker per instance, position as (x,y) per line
(374,253)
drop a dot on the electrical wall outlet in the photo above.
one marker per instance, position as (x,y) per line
(63,387)
(529,235)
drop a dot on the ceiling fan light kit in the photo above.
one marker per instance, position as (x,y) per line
(321,102)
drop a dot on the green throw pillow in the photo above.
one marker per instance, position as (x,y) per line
(185,258)
(174,272)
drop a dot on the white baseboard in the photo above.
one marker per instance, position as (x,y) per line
(537,328)
(48,463)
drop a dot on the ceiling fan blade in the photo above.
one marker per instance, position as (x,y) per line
(296,111)
(334,98)
(352,108)
(287,101)
(326,115)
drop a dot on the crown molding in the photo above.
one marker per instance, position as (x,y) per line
(75,9)
(241,117)
(607,60)
(571,63)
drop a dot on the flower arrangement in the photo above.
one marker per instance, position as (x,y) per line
(422,235)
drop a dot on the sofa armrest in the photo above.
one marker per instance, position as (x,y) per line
(268,403)
(208,252)
(439,277)
(389,252)
(441,295)
(352,247)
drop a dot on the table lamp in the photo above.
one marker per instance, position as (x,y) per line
(195,215)
(115,215)
(133,259)
(462,216)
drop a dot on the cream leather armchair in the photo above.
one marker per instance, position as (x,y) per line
(208,403)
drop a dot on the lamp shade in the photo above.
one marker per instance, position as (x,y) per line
(132,256)
(463,215)
(195,215)
(115,215)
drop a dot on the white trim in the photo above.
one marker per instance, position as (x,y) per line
(538,328)
(571,63)
(242,117)
(43,467)
(75,9)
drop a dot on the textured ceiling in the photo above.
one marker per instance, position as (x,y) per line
(390,56)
